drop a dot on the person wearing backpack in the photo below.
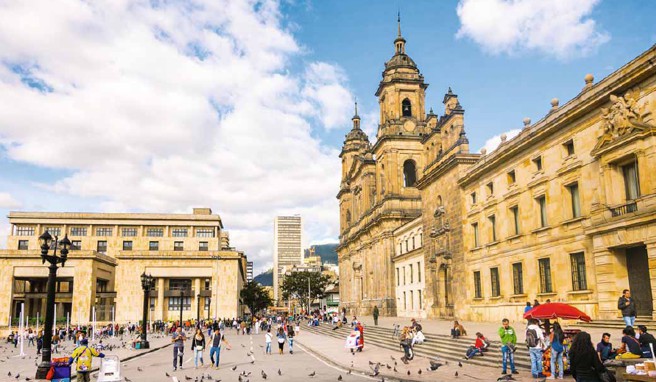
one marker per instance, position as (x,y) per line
(557,348)
(535,343)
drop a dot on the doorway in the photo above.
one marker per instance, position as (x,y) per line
(637,266)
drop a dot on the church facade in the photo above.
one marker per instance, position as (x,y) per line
(564,211)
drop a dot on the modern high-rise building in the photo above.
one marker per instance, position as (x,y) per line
(249,271)
(286,248)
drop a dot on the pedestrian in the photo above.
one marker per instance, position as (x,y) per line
(360,328)
(282,338)
(508,346)
(198,346)
(630,346)
(405,341)
(82,356)
(535,343)
(290,337)
(626,305)
(646,339)
(556,339)
(215,350)
(267,338)
(353,340)
(528,307)
(178,339)
(39,342)
(584,363)
(375,313)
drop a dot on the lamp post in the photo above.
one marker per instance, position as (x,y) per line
(181,300)
(46,241)
(198,310)
(147,283)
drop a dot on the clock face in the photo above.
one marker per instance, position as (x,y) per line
(409,125)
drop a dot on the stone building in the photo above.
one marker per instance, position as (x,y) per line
(564,211)
(287,250)
(188,255)
(410,279)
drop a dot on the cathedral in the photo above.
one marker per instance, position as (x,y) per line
(564,211)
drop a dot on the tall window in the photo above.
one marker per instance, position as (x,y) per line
(153,246)
(403,275)
(493,228)
(406,108)
(478,293)
(514,211)
(574,197)
(155,232)
(24,231)
(405,302)
(174,303)
(490,189)
(518,279)
(631,183)
(127,245)
(494,279)
(418,272)
(511,177)
(538,163)
(411,274)
(129,232)
(475,232)
(78,231)
(398,279)
(420,302)
(545,276)
(542,204)
(473,198)
(569,147)
(412,300)
(102,246)
(579,281)
(179,232)
(413,242)
(104,231)
(409,173)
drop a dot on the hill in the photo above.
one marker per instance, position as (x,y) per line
(265,278)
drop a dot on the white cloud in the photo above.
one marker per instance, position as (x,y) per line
(560,28)
(494,142)
(163,106)
(7,201)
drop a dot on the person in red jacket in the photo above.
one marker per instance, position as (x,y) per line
(479,346)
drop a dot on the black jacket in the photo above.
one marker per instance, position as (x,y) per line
(627,310)
(195,342)
(586,367)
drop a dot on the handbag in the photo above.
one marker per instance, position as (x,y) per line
(199,347)
(607,376)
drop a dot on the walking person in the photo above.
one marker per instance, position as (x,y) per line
(82,356)
(268,336)
(627,306)
(584,362)
(535,343)
(198,346)
(178,338)
(375,313)
(508,346)
(556,339)
(290,338)
(282,338)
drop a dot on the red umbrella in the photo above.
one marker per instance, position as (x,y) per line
(556,310)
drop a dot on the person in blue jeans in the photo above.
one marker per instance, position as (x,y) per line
(535,343)
(290,338)
(215,349)
(557,348)
(628,308)
(508,343)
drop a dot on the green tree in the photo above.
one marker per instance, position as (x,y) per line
(295,286)
(255,296)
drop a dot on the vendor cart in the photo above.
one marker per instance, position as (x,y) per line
(110,369)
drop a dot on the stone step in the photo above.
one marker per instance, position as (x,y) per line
(440,346)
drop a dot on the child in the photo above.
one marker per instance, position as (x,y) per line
(268,341)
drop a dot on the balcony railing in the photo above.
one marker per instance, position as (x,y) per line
(624,209)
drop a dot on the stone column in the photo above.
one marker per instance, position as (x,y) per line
(605,274)
(651,255)
(160,300)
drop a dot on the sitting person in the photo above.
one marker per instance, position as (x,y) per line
(630,345)
(645,339)
(418,337)
(458,330)
(605,349)
(478,348)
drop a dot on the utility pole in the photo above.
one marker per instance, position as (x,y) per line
(309,303)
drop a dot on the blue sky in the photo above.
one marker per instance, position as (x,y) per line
(242,106)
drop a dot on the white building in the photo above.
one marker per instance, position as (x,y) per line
(409,269)
(287,250)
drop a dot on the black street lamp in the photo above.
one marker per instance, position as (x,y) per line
(198,310)
(46,244)
(147,283)
(181,300)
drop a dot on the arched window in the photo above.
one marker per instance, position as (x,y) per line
(406,108)
(409,173)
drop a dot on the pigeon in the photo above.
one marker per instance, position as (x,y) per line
(459,364)
(392,357)
(17,375)
(312,374)
(127,380)
(508,377)
(349,372)
(371,363)
(396,371)
(456,373)
(167,374)
(234,368)
(388,367)
(408,372)
(435,365)
(139,369)
(240,379)
(339,378)
(188,378)
(9,374)
(279,372)
(419,372)
(264,375)
(28,378)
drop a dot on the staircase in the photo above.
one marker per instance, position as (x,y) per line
(618,324)
(436,345)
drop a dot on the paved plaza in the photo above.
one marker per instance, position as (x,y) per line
(325,357)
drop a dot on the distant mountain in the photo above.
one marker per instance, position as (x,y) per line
(265,279)
(327,252)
